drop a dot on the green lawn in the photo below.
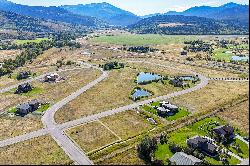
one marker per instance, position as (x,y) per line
(34,91)
(163,152)
(204,126)
(182,112)
(220,54)
(148,39)
(180,136)
(12,110)
(244,149)
(38,40)
(43,108)
(215,161)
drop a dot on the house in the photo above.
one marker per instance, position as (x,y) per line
(184,53)
(25,108)
(23,75)
(181,158)
(224,131)
(51,77)
(23,88)
(203,144)
(178,82)
(166,109)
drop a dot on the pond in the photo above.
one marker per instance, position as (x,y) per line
(238,58)
(140,93)
(187,78)
(147,77)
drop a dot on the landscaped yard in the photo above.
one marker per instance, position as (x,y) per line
(163,152)
(37,151)
(182,112)
(222,55)
(244,150)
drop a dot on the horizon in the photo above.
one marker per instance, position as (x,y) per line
(146,8)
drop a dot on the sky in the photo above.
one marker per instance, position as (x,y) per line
(139,7)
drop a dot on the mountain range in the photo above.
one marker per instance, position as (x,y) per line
(104,11)
(229,11)
(225,19)
(49,13)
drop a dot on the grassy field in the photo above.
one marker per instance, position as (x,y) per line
(244,149)
(238,115)
(112,93)
(213,96)
(37,151)
(37,40)
(11,127)
(127,124)
(91,136)
(132,39)
(220,54)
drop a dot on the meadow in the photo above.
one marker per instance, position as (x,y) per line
(149,39)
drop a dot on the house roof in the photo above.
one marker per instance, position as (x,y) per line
(24,106)
(181,158)
(224,129)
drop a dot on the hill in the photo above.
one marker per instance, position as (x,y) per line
(229,11)
(49,13)
(187,25)
(104,11)
(13,21)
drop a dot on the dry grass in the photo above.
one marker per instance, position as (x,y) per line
(8,54)
(238,115)
(91,136)
(213,96)
(110,93)
(127,124)
(38,151)
(129,157)
(11,127)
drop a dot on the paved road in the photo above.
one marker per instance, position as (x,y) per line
(56,130)
(23,137)
(245,162)
(33,79)
(229,79)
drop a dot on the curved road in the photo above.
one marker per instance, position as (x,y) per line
(56,130)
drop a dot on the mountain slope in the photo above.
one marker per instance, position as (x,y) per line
(229,11)
(49,13)
(13,21)
(187,25)
(104,11)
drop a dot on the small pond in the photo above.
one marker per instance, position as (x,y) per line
(238,58)
(140,93)
(146,77)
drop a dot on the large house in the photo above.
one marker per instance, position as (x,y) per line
(51,77)
(166,109)
(23,75)
(180,158)
(225,132)
(23,88)
(178,82)
(202,144)
(25,108)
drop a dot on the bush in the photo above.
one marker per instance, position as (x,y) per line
(147,147)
